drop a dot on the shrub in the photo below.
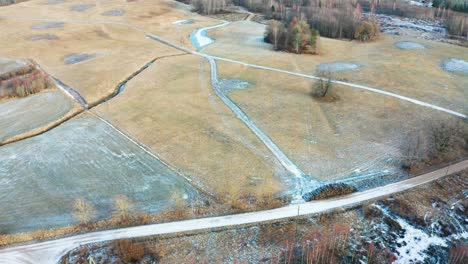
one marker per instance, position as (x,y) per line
(83,211)
(24,81)
(437,142)
(129,251)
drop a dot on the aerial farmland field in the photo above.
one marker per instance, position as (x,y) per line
(202,131)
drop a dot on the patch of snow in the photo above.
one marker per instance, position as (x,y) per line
(455,65)
(45,36)
(183,22)
(80,8)
(48,25)
(409,45)
(337,66)
(75,58)
(414,241)
(115,12)
(55,2)
(229,85)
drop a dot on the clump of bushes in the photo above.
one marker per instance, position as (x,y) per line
(298,37)
(128,251)
(438,142)
(328,191)
(24,81)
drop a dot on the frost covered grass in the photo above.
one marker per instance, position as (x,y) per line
(23,116)
(83,158)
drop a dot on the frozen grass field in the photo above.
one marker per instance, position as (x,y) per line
(41,177)
(21,115)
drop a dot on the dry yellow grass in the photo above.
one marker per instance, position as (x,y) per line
(413,73)
(172,108)
(361,130)
(119,51)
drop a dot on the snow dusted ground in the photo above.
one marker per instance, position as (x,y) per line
(40,177)
(409,45)
(21,115)
(183,22)
(455,65)
(337,66)
(414,242)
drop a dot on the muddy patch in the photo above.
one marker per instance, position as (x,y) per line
(115,12)
(229,85)
(183,22)
(409,45)
(75,58)
(48,25)
(43,37)
(455,65)
(337,66)
(80,8)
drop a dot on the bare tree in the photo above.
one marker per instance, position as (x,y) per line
(123,207)
(83,211)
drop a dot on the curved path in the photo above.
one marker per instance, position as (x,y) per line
(277,152)
(52,251)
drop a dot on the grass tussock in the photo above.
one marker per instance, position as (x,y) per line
(24,81)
